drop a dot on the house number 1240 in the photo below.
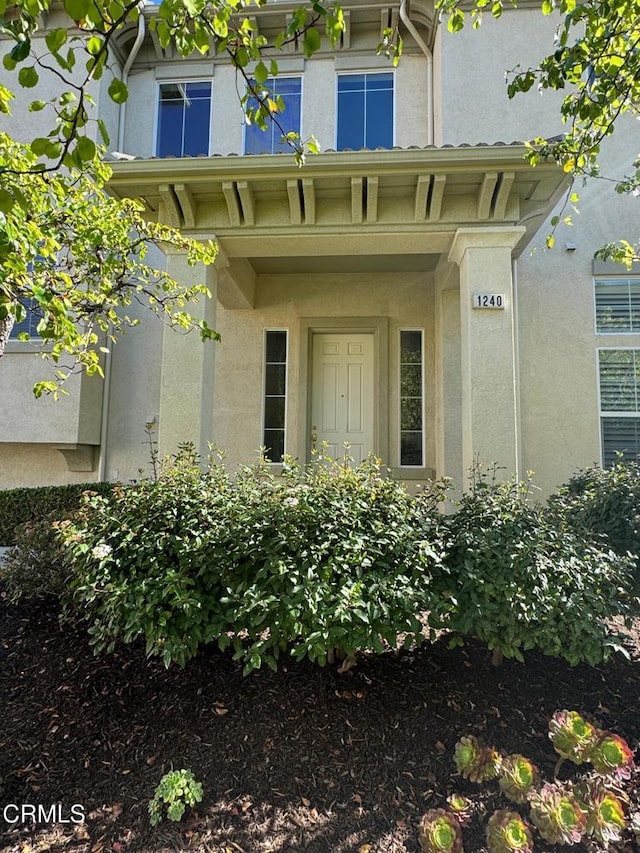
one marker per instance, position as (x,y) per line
(488,300)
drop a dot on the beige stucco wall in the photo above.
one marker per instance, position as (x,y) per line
(471,91)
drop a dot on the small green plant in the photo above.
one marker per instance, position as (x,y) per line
(507,831)
(517,777)
(440,832)
(557,813)
(572,736)
(176,790)
(474,760)
(605,812)
(591,806)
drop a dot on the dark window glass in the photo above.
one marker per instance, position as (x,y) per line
(29,325)
(275,390)
(620,436)
(184,118)
(365,111)
(411,399)
(270,141)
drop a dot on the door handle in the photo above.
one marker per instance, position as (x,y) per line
(314,436)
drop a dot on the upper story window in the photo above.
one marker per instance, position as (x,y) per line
(184,119)
(270,141)
(619,377)
(365,111)
(617,305)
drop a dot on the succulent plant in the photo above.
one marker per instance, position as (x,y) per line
(474,760)
(572,736)
(605,812)
(557,814)
(611,755)
(440,832)
(461,807)
(518,777)
(507,831)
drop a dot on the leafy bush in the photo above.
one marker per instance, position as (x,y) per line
(604,502)
(176,790)
(516,579)
(325,557)
(20,506)
(34,569)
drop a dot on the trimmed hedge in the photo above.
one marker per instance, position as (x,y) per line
(19,506)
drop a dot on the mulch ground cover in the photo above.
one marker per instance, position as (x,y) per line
(305,759)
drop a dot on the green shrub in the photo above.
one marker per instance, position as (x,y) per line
(34,569)
(516,579)
(176,790)
(325,557)
(19,506)
(604,502)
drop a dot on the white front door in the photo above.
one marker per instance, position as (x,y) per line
(342,392)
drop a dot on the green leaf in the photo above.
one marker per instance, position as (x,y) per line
(36,106)
(6,201)
(77,9)
(20,51)
(118,92)
(260,73)
(56,38)
(28,77)
(94,45)
(86,149)
(311,42)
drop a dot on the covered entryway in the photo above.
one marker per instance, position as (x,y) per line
(342,395)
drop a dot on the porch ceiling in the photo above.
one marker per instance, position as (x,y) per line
(375,203)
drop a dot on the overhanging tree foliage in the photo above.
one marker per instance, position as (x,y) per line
(68,252)
(595,62)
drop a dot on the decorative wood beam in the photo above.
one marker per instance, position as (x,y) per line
(356,200)
(309,197)
(233,207)
(485,194)
(372,199)
(437,194)
(187,203)
(295,208)
(172,211)
(246,200)
(502,196)
(422,194)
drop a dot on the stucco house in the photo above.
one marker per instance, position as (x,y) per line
(393,293)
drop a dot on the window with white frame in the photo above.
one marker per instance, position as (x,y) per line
(617,305)
(275,393)
(365,111)
(270,141)
(619,377)
(411,398)
(184,119)
(29,323)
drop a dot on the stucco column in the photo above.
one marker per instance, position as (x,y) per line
(187,370)
(489,405)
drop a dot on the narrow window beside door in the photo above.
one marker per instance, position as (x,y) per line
(275,394)
(411,399)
